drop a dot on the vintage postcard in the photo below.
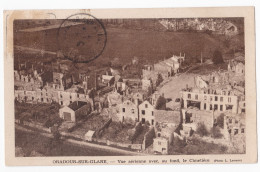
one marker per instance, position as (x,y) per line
(130,86)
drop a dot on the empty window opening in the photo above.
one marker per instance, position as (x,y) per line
(236,132)
(229,107)
(242,130)
(221,107)
(215,107)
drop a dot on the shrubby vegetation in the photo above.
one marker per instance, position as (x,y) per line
(215,132)
(159,79)
(202,130)
(220,121)
(195,146)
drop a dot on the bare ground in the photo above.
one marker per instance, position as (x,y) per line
(172,87)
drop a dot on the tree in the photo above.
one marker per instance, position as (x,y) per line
(150,91)
(217,57)
(215,132)
(159,79)
(202,130)
(220,120)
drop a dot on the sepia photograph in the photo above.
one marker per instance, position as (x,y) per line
(91,86)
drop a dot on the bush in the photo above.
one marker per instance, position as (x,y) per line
(215,132)
(220,120)
(56,136)
(178,143)
(202,130)
(159,79)
(147,123)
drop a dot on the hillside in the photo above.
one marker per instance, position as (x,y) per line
(150,46)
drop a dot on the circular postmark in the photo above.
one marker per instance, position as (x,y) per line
(81,38)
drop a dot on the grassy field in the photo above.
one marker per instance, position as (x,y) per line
(150,46)
(45,114)
(30,142)
(197,147)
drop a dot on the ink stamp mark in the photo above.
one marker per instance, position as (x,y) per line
(81,38)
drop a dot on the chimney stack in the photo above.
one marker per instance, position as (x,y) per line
(136,102)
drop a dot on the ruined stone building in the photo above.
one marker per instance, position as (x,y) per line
(49,95)
(237,67)
(148,73)
(158,101)
(161,145)
(165,68)
(68,96)
(73,111)
(221,92)
(147,84)
(234,125)
(218,91)
(44,95)
(114,99)
(62,81)
(235,131)
(121,86)
(27,81)
(89,81)
(59,88)
(147,108)
(193,117)
(210,101)
(108,80)
(166,124)
(57,81)
(128,112)
(138,97)
(146,112)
